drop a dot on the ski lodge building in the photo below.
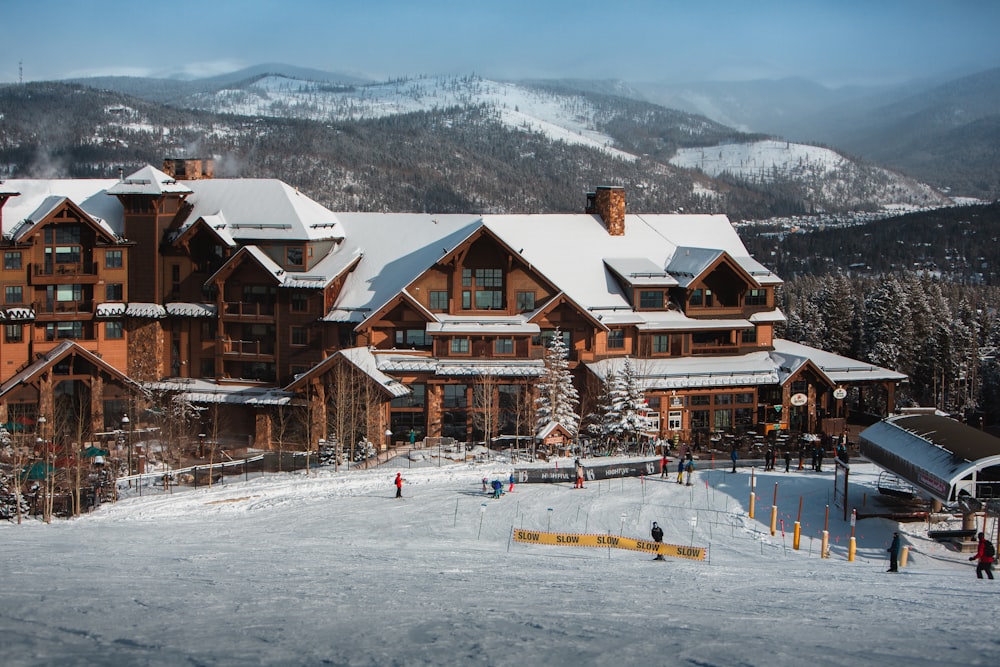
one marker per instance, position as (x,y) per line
(247,297)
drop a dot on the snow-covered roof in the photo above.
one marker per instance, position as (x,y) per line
(770,316)
(208,391)
(260,209)
(573,251)
(401,362)
(936,454)
(148,310)
(674,320)
(110,309)
(16,314)
(457,324)
(364,360)
(790,356)
(756,368)
(89,194)
(148,181)
(182,309)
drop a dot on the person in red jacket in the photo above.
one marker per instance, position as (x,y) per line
(399,485)
(985,555)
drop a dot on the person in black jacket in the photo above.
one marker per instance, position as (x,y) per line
(894,553)
(657,534)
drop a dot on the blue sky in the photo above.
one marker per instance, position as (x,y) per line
(835,42)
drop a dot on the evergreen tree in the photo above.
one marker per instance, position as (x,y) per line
(626,395)
(557,396)
(603,421)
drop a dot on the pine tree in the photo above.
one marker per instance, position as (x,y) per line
(557,395)
(603,420)
(629,401)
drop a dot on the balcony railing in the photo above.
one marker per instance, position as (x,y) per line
(241,309)
(60,269)
(247,349)
(63,307)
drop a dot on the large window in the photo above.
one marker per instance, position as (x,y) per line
(544,338)
(438,300)
(415,338)
(12,260)
(114,292)
(503,346)
(650,299)
(661,344)
(482,289)
(417,397)
(294,257)
(63,330)
(756,297)
(455,396)
(460,346)
(113,259)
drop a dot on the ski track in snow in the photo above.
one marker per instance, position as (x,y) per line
(329,568)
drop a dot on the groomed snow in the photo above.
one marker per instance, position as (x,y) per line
(329,568)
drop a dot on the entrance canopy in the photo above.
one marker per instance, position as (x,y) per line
(943,457)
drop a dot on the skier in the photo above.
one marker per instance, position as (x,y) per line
(511,482)
(399,484)
(579,475)
(497,488)
(657,534)
(894,554)
(985,555)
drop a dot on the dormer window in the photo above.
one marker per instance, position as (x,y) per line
(294,257)
(651,299)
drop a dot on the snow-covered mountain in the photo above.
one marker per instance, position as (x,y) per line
(824,174)
(820,175)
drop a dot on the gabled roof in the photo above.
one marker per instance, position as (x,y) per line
(836,368)
(514,325)
(254,253)
(49,206)
(89,194)
(148,181)
(53,356)
(361,358)
(755,368)
(215,225)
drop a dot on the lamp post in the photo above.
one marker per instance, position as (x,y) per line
(125,428)
(48,469)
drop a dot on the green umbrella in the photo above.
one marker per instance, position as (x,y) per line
(91,452)
(37,470)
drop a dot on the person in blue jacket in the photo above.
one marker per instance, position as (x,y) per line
(497,488)
(734,455)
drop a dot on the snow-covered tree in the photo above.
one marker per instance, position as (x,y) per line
(602,422)
(626,395)
(557,396)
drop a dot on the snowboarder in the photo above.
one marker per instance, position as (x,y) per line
(985,555)
(579,475)
(657,534)
(894,554)
(399,484)
(734,455)
(497,488)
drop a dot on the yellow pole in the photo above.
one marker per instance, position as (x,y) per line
(750,513)
(824,551)
(904,553)
(798,527)
(774,512)
(853,546)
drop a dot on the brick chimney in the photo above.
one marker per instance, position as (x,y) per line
(189,169)
(608,201)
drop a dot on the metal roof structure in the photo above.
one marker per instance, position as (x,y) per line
(939,455)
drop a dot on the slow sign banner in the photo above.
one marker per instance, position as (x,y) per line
(607,541)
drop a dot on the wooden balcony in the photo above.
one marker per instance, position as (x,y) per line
(61,274)
(238,310)
(64,309)
(247,350)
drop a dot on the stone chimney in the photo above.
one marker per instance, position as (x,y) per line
(189,169)
(608,201)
